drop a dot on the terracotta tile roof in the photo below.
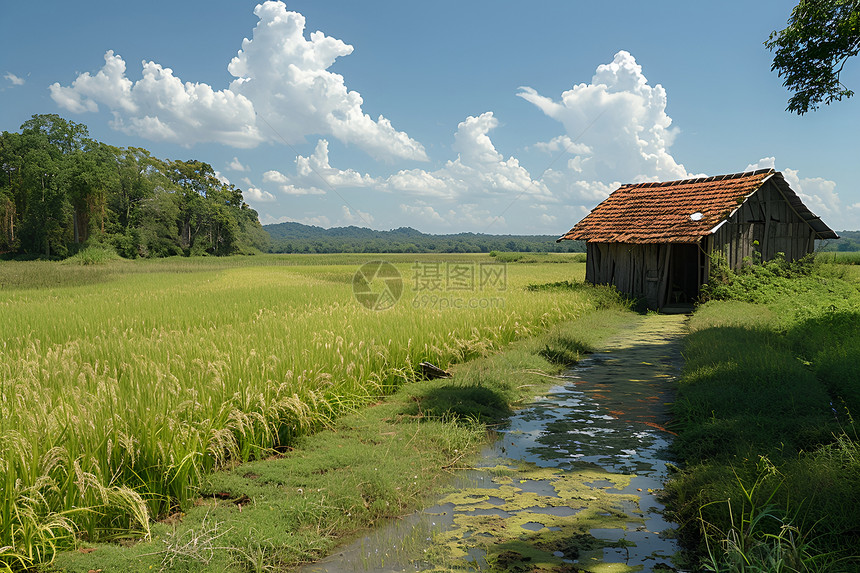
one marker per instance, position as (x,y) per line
(675,211)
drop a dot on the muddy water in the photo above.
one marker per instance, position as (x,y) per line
(569,485)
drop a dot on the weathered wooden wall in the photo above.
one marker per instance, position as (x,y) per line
(634,269)
(765,223)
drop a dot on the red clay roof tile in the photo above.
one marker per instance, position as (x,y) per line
(661,212)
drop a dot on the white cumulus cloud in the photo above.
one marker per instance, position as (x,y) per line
(236,165)
(14,80)
(616,126)
(290,189)
(475,189)
(314,174)
(355,217)
(160,106)
(283,91)
(817,193)
(479,170)
(422,212)
(316,169)
(763,163)
(258,195)
(563,144)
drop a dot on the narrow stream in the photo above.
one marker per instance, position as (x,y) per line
(570,485)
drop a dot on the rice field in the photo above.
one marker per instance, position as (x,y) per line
(121,386)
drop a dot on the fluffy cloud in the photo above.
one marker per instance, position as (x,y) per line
(258,195)
(161,107)
(617,126)
(287,78)
(289,189)
(316,169)
(563,144)
(283,91)
(817,193)
(314,173)
(475,189)
(355,217)
(478,171)
(763,163)
(567,185)
(422,212)
(236,165)
(14,80)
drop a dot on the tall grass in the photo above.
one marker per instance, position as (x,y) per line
(764,417)
(843,258)
(116,397)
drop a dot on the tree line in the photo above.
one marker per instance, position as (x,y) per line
(61,190)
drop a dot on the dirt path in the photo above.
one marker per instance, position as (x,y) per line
(570,483)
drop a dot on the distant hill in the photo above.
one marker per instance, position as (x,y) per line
(847,241)
(299,238)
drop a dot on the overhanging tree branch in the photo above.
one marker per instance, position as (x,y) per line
(811,52)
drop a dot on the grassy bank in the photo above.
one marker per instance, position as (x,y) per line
(125,383)
(378,463)
(765,416)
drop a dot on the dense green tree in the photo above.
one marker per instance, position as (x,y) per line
(66,136)
(60,190)
(11,198)
(156,233)
(811,51)
(208,209)
(90,176)
(44,225)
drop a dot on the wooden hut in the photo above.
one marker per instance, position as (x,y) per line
(654,240)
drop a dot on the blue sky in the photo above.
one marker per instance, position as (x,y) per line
(496,117)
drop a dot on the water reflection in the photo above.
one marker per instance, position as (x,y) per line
(596,445)
(609,412)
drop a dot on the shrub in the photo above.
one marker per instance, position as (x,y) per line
(93,255)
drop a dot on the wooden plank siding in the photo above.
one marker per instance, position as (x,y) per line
(765,223)
(635,269)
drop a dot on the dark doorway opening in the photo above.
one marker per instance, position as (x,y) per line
(683,274)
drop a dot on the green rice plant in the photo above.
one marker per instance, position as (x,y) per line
(840,257)
(124,393)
